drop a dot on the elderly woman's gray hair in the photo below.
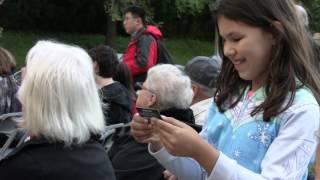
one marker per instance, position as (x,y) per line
(59,94)
(171,86)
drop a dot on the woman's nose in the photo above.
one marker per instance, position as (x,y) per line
(229,51)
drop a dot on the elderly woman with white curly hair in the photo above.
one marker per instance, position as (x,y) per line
(63,116)
(168,90)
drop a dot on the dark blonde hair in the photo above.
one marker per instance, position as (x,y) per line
(7,62)
(292,57)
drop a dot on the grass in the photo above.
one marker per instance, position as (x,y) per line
(20,42)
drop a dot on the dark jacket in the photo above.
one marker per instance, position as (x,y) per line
(41,160)
(8,95)
(118,103)
(142,52)
(132,161)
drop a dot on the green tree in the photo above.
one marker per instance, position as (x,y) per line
(179,8)
(1,29)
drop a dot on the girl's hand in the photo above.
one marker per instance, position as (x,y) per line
(167,175)
(178,138)
(181,140)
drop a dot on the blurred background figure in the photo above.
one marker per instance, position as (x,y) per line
(203,72)
(63,116)
(302,15)
(8,85)
(142,51)
(115,85)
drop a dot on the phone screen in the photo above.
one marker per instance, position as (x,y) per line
(148,113)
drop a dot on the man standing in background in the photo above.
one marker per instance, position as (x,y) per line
(142,51)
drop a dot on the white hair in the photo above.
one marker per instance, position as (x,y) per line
(59,94)
(171,85)
(302,15)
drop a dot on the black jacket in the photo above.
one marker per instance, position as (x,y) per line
(184,115)
(119,103)
(132,161)
(41,160)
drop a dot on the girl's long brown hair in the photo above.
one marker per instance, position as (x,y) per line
(292,57)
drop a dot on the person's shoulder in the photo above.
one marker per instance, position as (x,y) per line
(304,105)
(152,32)
(303,114)
(115,88)
(204,104)
(116,93)
(20,162)
(305,96)
(146,38)
(26,149)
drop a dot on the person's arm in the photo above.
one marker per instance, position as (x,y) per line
(287,157)
(181,167)
(147,51)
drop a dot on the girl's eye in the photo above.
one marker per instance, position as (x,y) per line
(236,39)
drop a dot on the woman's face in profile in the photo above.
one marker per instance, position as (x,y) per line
(146,98)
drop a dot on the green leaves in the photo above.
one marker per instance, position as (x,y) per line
(115,8)
(313,8)
(1,29)
(181,7)
(190,7)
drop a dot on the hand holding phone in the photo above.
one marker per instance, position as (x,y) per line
(148,113)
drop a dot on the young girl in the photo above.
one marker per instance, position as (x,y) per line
(266,108)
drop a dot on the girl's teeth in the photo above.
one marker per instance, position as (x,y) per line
(237,62)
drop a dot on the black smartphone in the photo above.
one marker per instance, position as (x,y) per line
(148,113)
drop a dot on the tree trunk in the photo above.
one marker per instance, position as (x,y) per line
(111,33)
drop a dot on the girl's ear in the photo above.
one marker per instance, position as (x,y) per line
(277,31)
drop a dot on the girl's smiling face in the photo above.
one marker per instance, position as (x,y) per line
(248,48)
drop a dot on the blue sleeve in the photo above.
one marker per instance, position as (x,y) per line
(212,110)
